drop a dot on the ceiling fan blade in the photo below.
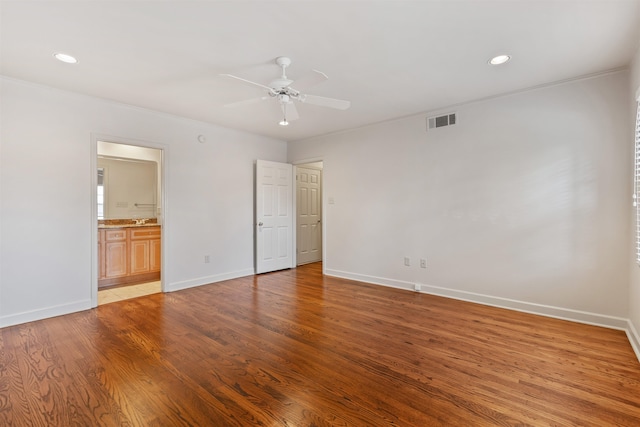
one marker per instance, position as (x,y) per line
(246,102)
(248,81)
(310,80)
(289,111)
(338,104)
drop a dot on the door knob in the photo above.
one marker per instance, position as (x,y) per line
(260,224)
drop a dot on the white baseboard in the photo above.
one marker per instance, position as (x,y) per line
(392,283)
(526,307)
(177,286)
(634,339)
(44,313)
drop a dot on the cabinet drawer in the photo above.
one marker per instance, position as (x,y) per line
(115,235)
(144,233)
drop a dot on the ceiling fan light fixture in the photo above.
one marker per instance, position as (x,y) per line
(63,57)
(284,121)
(499,59)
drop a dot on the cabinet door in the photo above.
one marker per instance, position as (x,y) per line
(115,258)
(156,254)
(139,256)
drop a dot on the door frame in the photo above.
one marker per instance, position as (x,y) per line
(295,210)
(164,177)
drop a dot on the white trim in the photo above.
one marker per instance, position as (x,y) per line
(391,283)
(93,225)
(634,338)
(207,280)
(294,212)
(578,316)
(44,313)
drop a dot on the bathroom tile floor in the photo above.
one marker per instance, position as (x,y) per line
(127,292)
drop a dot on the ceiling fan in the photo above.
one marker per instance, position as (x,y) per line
(280,89)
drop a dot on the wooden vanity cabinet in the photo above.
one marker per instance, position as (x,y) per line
(129,255)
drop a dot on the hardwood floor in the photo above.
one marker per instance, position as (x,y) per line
(294,348)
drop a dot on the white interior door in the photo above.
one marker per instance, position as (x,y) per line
(274,216)
(309,214)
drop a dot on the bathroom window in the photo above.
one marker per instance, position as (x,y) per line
(100,193)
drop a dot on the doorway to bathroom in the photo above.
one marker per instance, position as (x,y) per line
(129,194)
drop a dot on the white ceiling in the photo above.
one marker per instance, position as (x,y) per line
(389,58)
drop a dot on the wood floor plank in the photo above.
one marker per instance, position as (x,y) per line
(296,348)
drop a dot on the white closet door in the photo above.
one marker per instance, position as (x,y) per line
(274,216)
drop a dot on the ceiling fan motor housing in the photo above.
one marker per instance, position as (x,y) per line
(278,84)
(283,61)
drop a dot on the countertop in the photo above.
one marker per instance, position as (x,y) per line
(102,226)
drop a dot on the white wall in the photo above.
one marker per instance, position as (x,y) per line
(523,203)
(634,287)
(46,175)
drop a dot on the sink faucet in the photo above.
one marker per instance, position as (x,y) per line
(141,221)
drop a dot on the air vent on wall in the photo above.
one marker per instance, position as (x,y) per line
(441,121)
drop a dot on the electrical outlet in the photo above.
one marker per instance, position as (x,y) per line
(423,263)
(207,259)
(407,261)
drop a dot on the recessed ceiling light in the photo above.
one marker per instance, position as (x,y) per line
(65,58)
(500,59)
